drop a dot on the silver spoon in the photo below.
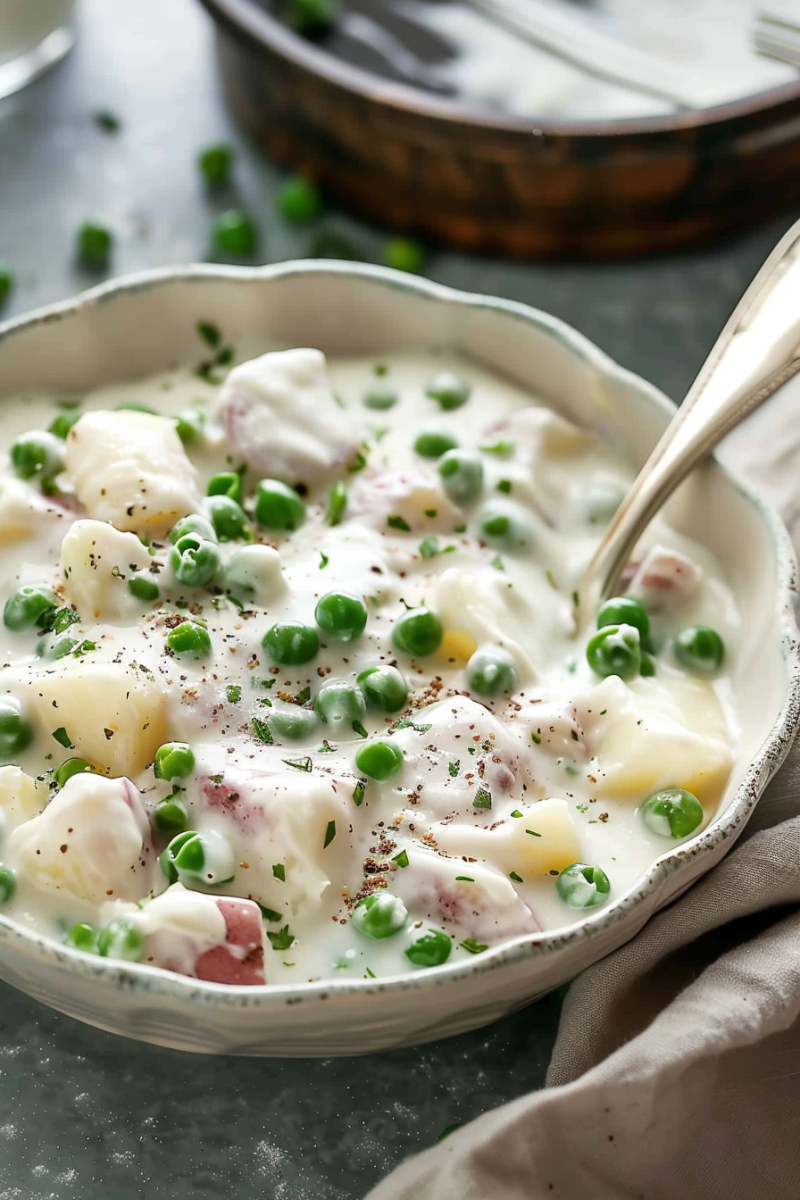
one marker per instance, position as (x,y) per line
(757,351)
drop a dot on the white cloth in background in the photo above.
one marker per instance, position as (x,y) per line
(676,1071)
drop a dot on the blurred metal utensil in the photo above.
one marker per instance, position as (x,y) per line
(575,40)
(776,34)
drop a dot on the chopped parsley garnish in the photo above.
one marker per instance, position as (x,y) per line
(517,878)
(303,696)
(63,738)
(300,764)
(323,560)
(429,547)
(326,747)
(516,813)
(504,486)
(359,729)
(269,914)
(454,767)
(499,447)
(551,579)
(497,563)
(330,832)
(84,647)
(473,947)
(397,522)
(224,357)
(537,738)
(358,792)
(279,872)
(281,940)
(262,731)
(459,529)
(380,369)
(582,808)
(448,1129)
(234,693)
(482,798)
(576,599)
(106,120)
(431,512)
(533,833)
(464,879)
(401,859)
(407,723)
(209,333)
(369,974)
(58,620)
(358,463)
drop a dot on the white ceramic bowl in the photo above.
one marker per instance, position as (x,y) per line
(146,323)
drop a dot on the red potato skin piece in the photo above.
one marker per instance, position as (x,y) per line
(244,929)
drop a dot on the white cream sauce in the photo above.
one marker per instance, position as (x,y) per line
(567,759)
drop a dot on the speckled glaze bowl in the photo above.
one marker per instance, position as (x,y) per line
(144,324)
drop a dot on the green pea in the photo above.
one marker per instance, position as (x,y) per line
(379,759)
(121,939)
(194,523)
(672,813)
(94,245)
(215,164)
(37,455)
(504,524)
(624,610)
(337,503)
(700,650)
(403,254)
(461,473)
(430,950)
(615,650)
(6,284)
(235,233)
(491,671)
(380,397)
(62,422)
(195,561)
(16,734)
(449,390)
(601,501)
(174,760)
(384,688)
(72,766)
(278,506)
(341,615)
(8,884)
(188,424)
(171,815)
(418,632)
(299,201)
(339,704)
(82,937)
(143,588)
(227,483)
(313,17)
(26,607)
(190,640)
(294,724)
(198,858)
(228,518)
(291,643)
(583,886)
(433,443)
(379,916)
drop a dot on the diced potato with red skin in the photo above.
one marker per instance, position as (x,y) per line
(217,938)
(484,905)
(664,579)
(240,961)
(409,494)
(282,419)
(92,841)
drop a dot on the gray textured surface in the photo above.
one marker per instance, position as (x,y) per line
(83,1114)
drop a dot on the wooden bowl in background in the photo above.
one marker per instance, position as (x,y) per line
(425,164)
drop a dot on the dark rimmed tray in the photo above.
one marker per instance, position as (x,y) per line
(425,164)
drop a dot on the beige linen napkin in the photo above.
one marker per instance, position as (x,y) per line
(676,1071)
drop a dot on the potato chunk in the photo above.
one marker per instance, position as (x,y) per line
(115,715)
(20,798)
(92,840)
(130,468)
(539,842)
(96,563)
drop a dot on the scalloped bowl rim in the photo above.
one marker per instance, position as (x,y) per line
(762,766)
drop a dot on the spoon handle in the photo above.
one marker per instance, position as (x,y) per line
(757,351)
